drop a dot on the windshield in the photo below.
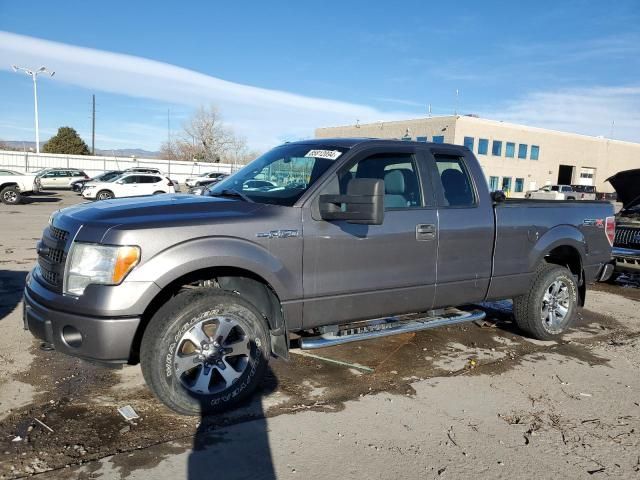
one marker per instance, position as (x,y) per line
(280,176)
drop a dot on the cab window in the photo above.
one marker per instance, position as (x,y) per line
(456,181)
(399,173)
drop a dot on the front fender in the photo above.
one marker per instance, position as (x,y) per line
(561,235)
(211,252)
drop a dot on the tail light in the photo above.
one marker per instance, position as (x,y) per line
(610,229)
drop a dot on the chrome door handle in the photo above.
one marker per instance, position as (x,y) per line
(425,231)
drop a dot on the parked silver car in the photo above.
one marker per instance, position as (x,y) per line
(55,178)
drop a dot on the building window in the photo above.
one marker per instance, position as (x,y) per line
(421,139)
(535,152)
(496,148)
(438,139)
(483,146)
(493,183)
(522,150)
(468,142)
(506,184)
(510,150)
(519,185)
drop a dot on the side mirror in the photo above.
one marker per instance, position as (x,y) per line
(120,182)
(498,196)
(363,203)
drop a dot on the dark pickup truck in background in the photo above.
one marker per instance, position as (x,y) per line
(626,247)
(351,239)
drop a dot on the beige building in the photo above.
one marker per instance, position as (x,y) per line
(515,158)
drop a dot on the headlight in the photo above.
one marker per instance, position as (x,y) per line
(98,264)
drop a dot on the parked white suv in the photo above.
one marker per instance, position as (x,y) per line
(13,185)
(129,185)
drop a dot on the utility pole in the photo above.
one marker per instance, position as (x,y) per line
(34,75)
(93,125)
(168,127)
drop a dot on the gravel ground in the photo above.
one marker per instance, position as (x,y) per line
(457,402)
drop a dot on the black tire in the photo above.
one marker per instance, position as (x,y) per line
(528,309)
(159,192)
(614,276)
(571,198)
(164,345)
(105,195)
(11,195)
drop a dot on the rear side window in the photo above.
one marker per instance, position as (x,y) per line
(456,182)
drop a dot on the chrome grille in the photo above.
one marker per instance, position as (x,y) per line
(627,237)
(58,234)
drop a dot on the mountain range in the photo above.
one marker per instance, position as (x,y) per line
(120,152)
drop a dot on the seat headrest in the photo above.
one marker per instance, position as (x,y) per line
(394,183)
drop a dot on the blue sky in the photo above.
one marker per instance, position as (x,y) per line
(278,69)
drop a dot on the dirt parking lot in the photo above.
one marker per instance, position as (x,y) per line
(472,401)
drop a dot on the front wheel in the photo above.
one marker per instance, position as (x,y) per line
(204,351)
(10,196)
(104,195)
(549,308)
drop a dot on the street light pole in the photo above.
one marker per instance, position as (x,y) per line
(34,76)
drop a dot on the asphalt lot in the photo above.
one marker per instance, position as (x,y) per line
(461,402)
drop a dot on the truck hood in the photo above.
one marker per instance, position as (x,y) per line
(627,186)
(168,209)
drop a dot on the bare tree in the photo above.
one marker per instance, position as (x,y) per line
(206,138)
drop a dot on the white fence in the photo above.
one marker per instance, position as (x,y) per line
(94,165)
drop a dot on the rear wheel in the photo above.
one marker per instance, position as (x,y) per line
(550,306)
(105,195)
(10,195)
(159,192)
(204,351)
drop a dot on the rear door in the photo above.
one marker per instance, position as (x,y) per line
(465,227)
(353,271)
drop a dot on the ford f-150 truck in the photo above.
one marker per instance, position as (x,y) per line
(350,239)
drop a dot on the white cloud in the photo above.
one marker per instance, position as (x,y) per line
(608,111)
(264,116)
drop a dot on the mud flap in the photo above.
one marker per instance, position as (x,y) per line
(280,344)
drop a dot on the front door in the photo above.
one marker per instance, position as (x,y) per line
(353,271)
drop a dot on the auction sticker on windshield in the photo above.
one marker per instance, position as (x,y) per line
(328,154)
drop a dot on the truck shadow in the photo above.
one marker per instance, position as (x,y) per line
(41,198)
(240,450)
(11,286)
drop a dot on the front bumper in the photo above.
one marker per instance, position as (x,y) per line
(626,259)
(100,339)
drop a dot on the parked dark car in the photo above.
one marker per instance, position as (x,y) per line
(202,185)
(78,185)
(626,247)
(382,237)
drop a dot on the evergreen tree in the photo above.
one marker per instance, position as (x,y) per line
(66,141)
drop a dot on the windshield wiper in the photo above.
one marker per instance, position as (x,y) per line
(229,192)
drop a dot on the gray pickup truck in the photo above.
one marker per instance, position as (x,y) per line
(331,240)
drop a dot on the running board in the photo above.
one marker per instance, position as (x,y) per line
(384,327)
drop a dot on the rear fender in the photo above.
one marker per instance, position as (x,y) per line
(560,236)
